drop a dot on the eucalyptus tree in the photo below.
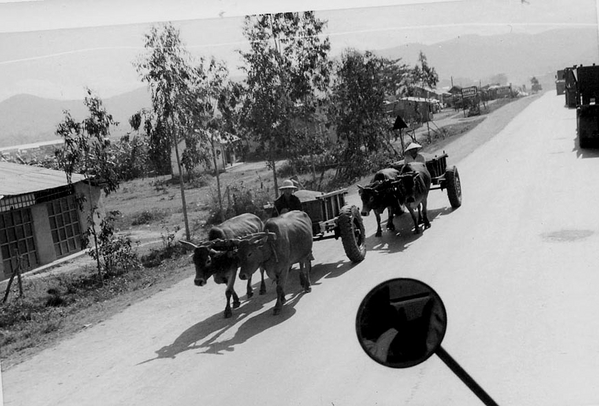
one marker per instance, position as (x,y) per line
(158,142)
(212,116)
(357,108)
(424,74)
(168,70)
(396,77)
(288,73)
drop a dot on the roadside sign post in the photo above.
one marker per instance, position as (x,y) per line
(470,93)
(400,125)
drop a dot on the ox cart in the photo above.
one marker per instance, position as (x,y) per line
(442,177)
(333,218)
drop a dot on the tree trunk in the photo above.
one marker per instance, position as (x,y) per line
(274,177)
(182,187)
(220,200)
(92,225)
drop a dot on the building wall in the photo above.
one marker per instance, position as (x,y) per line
(57,227)
(41,223)
(411,110)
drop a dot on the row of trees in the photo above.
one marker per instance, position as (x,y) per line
(293,95)
(293,98)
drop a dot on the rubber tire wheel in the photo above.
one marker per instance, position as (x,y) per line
(353,235)
(454,187)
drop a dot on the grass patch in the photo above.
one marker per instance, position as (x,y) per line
(148,216)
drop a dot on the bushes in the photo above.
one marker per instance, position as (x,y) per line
(325,172)
(131,156)
(148,216)
(114,253)
(237,200)
(169,249)
(303,164)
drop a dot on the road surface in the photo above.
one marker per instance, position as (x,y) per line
(516,267)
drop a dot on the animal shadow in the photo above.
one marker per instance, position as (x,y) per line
(403,236)
(253,317)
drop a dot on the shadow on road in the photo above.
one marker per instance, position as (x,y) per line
(398,240)
(250,319)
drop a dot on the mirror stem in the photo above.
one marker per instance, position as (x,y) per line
(467,379)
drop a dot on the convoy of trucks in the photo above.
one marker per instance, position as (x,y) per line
(581,89)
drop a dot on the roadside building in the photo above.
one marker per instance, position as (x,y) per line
(500,92)
(39,218)
(454,99)
(411,109)
(426,92)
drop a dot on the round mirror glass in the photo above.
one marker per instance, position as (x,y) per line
(401,323)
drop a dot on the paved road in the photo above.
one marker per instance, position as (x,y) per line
(515,267)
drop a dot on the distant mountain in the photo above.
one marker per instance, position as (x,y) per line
(474,58)
(27,119)
(468,60)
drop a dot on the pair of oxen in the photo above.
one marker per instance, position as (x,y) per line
(395,188)
(246,243)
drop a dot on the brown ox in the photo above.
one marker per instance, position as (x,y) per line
(412,187)
(287,239)
(380,195)
(217,256)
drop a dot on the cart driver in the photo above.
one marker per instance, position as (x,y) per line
(412,153)
(287,201)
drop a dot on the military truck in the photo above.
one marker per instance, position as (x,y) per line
(587,106)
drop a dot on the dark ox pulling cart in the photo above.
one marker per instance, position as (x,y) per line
(442,178)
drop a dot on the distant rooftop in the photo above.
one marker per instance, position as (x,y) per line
(16,179)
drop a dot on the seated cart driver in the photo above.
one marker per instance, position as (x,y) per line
(412,153)
(287,201)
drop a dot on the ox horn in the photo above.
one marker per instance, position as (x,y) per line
(188,244)
(252,238)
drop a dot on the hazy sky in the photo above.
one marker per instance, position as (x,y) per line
(55,48)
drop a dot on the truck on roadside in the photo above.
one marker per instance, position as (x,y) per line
(587,106)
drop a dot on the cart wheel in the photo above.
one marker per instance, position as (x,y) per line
(353,236)
(454,187)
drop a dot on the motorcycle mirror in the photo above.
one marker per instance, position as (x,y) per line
(401,323)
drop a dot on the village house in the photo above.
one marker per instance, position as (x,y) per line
(40,221)
(410,109)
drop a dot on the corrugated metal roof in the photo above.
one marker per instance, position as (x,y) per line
(17,179)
